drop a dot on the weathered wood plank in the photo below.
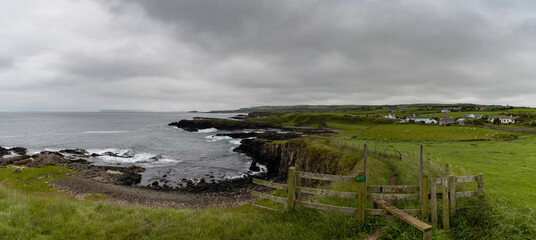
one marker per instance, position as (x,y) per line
(392,197)
(291,182)
(480,179)
(326,192)
(270,197)
(425,202)
(270,184)
(326,177)
(361,198)
(392,188)
(404,216)
(435,180)
(466,194)
(326,207)
(467,179)
(370,211)
(264,208)
(433,202)
(452,194)
(446,215)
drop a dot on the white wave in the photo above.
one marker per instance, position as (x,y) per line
(53,149)
(235,141)
(208,130)
(112,150)
(104,132)
(11,155)
(213,138)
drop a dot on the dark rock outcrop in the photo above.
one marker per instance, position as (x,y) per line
(279,157)
(220,124)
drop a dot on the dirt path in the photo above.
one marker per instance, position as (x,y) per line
(133,196)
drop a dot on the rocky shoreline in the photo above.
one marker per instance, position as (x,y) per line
(73,159)
(257,139)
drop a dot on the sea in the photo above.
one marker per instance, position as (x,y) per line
(164,151)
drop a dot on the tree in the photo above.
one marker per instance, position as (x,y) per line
(496,121)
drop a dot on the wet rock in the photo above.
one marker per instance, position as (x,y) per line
(77,151)
(3,151)
(48,159)
(19,150)
(220,124)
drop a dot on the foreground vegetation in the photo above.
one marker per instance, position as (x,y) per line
(31,209)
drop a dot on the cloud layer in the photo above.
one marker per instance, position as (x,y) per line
(185,55)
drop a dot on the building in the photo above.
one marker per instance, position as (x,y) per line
(503,119)
(390,116)
(461,121)
(427,120)
(445,110)
(446,120)
(473,116)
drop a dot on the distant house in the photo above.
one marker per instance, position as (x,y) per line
(445,110)
(446,120)
(391,111)
(503,119)
(473,116)
(417,119)
(390,116)
(460,121)
(427,120)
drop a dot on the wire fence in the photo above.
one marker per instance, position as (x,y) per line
(510,194)
(515,189)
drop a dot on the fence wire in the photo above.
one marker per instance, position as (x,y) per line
(515,189)
(508,193)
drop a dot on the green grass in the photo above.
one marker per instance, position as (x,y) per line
(32,179)
(27,216)
(413,132)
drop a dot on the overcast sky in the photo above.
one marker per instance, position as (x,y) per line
(85,55)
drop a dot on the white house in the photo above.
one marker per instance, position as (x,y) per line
(426,120)
(473,116)
(503,119)
(390,116)
(445,110)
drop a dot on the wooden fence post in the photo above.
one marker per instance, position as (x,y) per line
(425,190)
(433,199)
(480,181)
(365,159)
(445,196)
(420,170)
(291,193)
(361,197)
(452,194)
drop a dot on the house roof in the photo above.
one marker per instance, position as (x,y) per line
(504,117)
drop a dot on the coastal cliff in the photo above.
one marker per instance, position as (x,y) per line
(278,157)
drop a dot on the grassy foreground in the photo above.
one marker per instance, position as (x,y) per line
(30,209)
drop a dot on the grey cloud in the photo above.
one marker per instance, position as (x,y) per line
(236,53)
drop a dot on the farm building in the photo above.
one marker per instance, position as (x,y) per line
(446,120)
(503,119)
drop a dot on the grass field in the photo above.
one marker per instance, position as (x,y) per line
(30,209)
(413,132)
(506,164)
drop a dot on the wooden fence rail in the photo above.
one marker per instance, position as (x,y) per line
(428,192)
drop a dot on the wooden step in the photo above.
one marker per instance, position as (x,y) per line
(422,226)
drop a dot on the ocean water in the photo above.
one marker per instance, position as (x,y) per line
(179,154)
